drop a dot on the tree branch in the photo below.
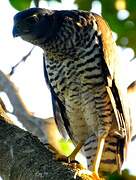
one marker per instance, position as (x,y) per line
(37,126)
(23,156)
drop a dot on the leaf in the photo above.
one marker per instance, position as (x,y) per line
(125,176)
(131,5)
(124,28)
(84,4)
(55,0)
(20,5)
(66,146)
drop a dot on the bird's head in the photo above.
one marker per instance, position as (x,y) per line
(54,31)
(35,25)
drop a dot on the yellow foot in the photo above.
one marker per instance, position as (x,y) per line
(58,155)
(86,173)
(52,148)
(61,157)
(70,159)
(96,176)
(76,165)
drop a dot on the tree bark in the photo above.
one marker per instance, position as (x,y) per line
(24,157)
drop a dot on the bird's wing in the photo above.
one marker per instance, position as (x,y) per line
(132,99)
(58,108)
(112,71)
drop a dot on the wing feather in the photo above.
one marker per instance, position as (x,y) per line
(116,87)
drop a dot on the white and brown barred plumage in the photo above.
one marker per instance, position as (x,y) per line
(82,72)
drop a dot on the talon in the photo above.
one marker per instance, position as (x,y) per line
(74,161)
(85,172)
(70,159)
(52,149)
(96,176)
(91,174)
(57,154)
(61,157)
(72,156)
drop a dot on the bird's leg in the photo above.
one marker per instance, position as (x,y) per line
(72,156)
(53,149)
(96,164)
(58,155)
(61,157)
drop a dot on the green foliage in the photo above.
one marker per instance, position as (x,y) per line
(66,146)
(125,29)
(84,4)
(54,0)
(20,5)
(125,176)
(24,4)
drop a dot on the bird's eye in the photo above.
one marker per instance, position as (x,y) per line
(36,18)
(33,19)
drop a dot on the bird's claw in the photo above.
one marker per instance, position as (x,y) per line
(91,174)
(61,157)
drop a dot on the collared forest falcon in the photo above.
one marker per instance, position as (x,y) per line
(82,72)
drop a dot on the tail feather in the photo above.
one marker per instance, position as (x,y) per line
(113,155)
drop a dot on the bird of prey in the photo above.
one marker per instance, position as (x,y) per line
(82,70)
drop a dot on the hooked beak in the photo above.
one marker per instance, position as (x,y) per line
(15,32)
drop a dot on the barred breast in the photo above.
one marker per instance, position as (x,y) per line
(80,85)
